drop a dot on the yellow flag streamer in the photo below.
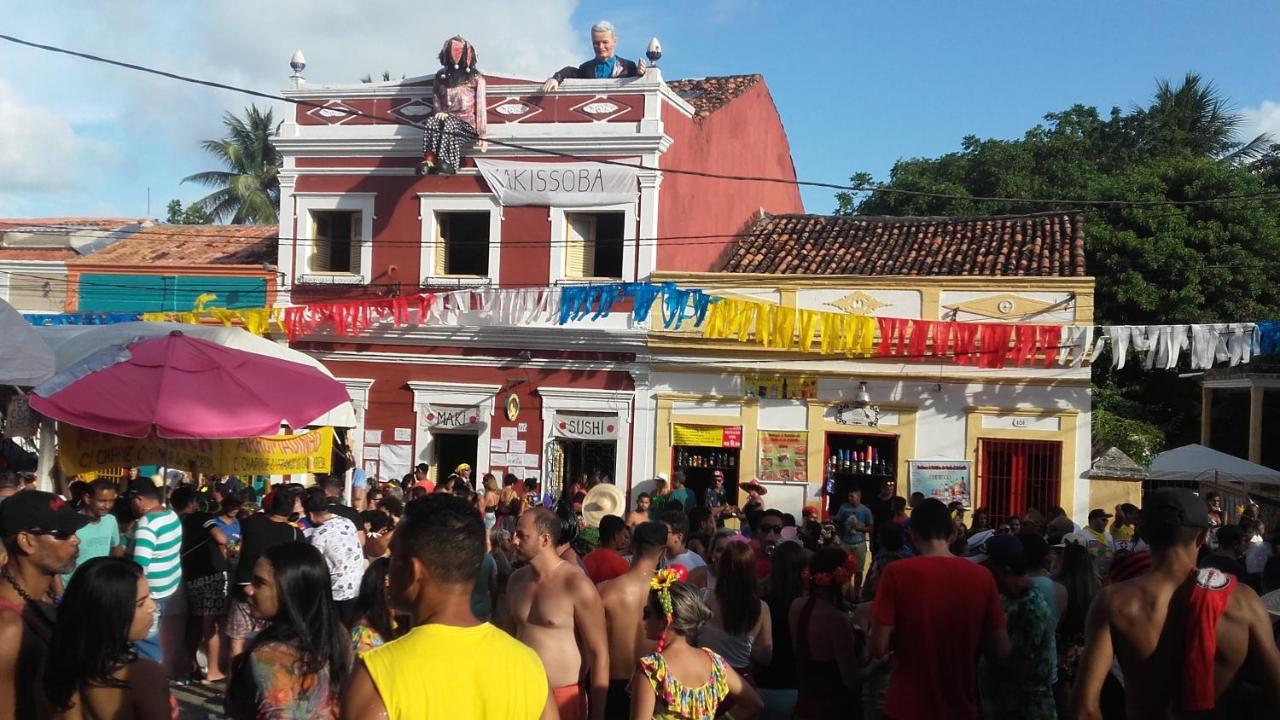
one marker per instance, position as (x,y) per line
(258,321)
(775,326)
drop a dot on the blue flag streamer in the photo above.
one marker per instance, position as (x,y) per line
(81,318)
(580,301)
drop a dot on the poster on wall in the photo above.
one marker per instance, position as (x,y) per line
(706,436)
(946,480)
(784,456)
(779,388)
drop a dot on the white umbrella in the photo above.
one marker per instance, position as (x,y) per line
(71,344)
(25,358)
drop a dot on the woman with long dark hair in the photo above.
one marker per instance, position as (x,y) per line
(826,666)
(374,622)
(94,672)
(1076,573)
(740,629)
(777,679)
(295,667)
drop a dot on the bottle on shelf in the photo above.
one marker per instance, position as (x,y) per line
(733,459)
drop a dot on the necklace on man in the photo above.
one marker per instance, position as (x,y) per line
(4,572)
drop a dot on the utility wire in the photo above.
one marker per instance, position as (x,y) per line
(637,166)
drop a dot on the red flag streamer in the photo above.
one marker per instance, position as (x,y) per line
(352,317)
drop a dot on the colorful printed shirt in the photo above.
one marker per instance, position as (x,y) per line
(283,694)
(677,702)
(364,639)
(157,547)
(1022,685)
(1102,548)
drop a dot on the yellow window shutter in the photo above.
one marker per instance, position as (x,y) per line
(320,242)
(580,245)
(442,244)
(356,243)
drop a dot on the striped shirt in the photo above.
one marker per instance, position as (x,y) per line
(157,547)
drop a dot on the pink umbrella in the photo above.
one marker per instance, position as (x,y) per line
(177,386)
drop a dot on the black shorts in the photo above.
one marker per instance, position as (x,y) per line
(618,702)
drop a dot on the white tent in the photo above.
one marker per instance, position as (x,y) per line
(72,343)
(1202,464)
(25,359)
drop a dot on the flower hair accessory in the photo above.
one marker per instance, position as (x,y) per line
(662,583)
(838,577)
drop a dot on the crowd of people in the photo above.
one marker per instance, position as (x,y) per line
(459,599)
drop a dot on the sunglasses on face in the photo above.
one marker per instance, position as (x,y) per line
(766,529)
(55,534)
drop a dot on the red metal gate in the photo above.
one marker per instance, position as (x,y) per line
(1019,474)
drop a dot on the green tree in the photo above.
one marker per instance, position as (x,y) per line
(192,214)
(247,190)
(1164,264)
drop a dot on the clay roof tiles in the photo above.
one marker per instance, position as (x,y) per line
(709,94)
(1046,244)
(190,245)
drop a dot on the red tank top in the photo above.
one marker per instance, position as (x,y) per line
(1209,597)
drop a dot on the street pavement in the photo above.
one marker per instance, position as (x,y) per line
(199,702)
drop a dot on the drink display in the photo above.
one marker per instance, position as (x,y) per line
(864,462)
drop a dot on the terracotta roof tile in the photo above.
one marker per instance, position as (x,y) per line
(1047,244)
(53,254)
(709,94)
(190,245)
(69,223)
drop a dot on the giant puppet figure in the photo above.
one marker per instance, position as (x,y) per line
(460,109)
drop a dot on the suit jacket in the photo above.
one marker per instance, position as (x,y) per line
(587,70)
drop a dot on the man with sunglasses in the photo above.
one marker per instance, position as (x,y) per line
(39,534)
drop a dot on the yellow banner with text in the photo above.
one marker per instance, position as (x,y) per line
(82,451)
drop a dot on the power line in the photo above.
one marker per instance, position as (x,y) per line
(353,112)
(164,233)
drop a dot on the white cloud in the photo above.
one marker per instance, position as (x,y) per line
(154,125)
(1264,118)
(40,152)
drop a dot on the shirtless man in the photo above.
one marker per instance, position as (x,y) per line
(1143,622)
(552,605)
(39,534)
(641,513)
(624,600)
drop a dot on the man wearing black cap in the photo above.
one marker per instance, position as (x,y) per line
(624,599)
(1099,543)
(39,534)
(1182,636)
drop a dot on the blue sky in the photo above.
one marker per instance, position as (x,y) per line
(859,84)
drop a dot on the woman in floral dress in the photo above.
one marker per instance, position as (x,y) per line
(679,681)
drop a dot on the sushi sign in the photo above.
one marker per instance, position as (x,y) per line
(585,427)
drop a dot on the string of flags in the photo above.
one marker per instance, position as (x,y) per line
(979,344)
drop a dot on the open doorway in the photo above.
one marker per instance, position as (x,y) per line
(453,449)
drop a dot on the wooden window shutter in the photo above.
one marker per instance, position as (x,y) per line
(320,232)
(356,243)
(580,245)
(442,244)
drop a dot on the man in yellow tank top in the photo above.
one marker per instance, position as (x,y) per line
(450,665)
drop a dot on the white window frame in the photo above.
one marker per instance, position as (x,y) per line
(454,394)
(307,203)
(617,403)
(431,203)
(559,240)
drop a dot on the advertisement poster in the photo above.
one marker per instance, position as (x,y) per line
(784,456)
(780,388)
(946,480)
(706,436)
(82,450)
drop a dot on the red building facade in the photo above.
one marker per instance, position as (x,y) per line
(538,397)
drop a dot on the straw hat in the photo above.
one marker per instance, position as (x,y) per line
(603,499)
(1271,601)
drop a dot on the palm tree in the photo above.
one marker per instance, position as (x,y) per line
(248,190)
(1195,117)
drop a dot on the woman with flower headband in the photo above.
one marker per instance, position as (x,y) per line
(684,682)
(826,665)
